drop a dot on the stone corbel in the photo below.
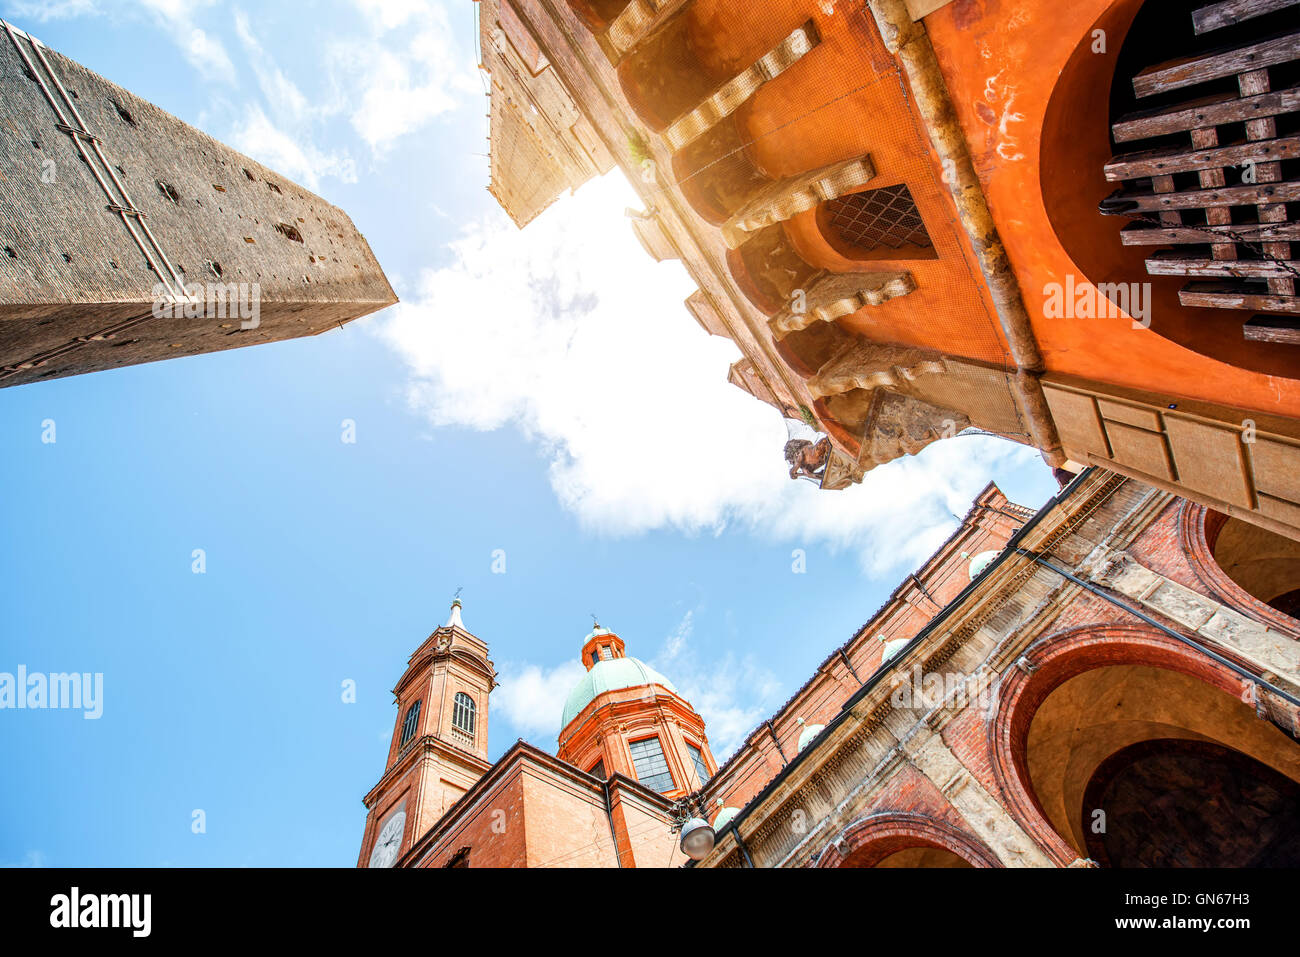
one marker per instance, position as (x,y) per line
(785,198)
(639,21)
(650,232)
(729,97)
(841,294)
(901,425)
(841,472)
(864,364)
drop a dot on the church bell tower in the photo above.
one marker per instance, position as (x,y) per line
(439,743)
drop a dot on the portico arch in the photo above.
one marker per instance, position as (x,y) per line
(1071,714)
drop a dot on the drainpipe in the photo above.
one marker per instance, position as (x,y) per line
(848,664)
(777,742)
(909,41)
(609,816)
(744,851)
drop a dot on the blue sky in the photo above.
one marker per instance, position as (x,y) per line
(532,394)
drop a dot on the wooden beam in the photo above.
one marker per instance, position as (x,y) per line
(1172,262)
(1236,295)
(1256,83)
(1137,234)
(1209,111)
(1253,195)
(1188,71)
(1179,159)
(1273,329)
(1228,12)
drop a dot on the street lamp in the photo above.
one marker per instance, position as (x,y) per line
(697,838)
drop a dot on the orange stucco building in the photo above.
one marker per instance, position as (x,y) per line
(1066,224)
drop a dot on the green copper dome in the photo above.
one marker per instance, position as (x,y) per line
(982,561)
(610,674)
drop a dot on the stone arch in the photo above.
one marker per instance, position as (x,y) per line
(1201,532)
(1082,695)
(872,839)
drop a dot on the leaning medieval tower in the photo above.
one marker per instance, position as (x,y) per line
(115,216)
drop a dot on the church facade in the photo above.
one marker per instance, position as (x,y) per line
(1113,680)
(630,746)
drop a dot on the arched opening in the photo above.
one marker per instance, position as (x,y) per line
(1111,757)
(1260,562)
(1184,803)
(906,839)
(924,857)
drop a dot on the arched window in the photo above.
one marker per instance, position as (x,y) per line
(462,713)
(409,723)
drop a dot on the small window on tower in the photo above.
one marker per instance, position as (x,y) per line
(651,768)
(595,657)
(606,652)
(463,712)
(697,757)
(599,770)
(409,723)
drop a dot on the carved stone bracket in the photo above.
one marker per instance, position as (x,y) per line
(841,472)
(841,294)
(782,199)
(728,98)
(864,364)
(901,425)
(639,20)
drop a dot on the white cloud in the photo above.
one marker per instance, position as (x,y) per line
(291,156)
(43,10)
(285,140)
(175,17)
(205,52)
(407,70)
(732,693)
(532,698)
(568,330)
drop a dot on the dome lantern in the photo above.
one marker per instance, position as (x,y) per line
(601,645)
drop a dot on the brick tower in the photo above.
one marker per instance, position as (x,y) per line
(624,717)
(439,745)
(117,216)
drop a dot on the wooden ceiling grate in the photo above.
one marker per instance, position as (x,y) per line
(1225,196)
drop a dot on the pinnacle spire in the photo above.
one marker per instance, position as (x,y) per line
(453,620)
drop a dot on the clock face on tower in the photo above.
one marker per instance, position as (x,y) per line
(389,842)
